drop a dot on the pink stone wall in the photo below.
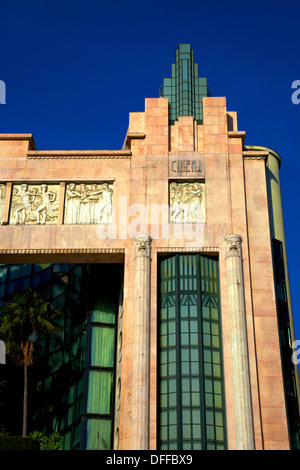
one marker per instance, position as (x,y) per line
(236,202)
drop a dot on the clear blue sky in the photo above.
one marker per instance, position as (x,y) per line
(75,69)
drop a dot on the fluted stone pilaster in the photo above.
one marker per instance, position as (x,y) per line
(141,348)
(239,349)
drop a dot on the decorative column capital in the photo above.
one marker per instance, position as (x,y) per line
(142,246)
(233,245)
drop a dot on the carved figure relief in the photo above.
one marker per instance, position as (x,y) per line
(88,203)
(2,198)
(34,204)
(187,202)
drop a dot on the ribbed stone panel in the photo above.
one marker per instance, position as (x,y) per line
(239,348)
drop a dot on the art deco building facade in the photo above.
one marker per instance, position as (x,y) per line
(169,260)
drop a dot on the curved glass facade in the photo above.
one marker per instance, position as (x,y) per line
(73,379)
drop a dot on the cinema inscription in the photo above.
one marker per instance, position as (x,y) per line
(186,166)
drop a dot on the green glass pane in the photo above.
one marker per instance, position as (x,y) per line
(172,385)
(216,357)
(205,312)
(185,355)
(210,417)
(209,399)
(164,401)
(186,399)
(197,446)
(196,416)
(193,311)
(195,399)
(219,433)
(173,446)
(172,340)
(218,401)
(207,369)
(172,356)
(104,311)
(103,347)
(172,417)
(194,355)
(208,385)
(172,399)
(171,312)
(163,357)
(195,368)
(216,370)
(187,446)
(172,369)
(164,433)
(196,432)
(98,434)
(100,392)
(186,431)
(206,327)
(217,387)
(172,326)
(186,416)
(214,314)
(172,432)
(218,418)
(210,434)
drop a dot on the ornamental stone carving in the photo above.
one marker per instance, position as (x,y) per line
(2,198)
(142,246)
(34,204)
(187,202)
(233,245)
(88,203)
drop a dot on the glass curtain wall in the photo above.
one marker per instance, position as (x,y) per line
(191,391)
(185,89)
(73,380)
(286,346)
(97,431)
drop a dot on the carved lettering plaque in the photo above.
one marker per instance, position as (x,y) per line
(186,166)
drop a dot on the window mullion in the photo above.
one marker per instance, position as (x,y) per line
(201,360)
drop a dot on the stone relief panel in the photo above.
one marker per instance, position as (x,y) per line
(33,204)
(187,202)
(2,199)
(88,203)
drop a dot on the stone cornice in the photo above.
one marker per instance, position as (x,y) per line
(264,149)
(51,251)
(181,249)
(79,154)
(255,154)
(237,135)
(136,135)
(28,137)
(131,136)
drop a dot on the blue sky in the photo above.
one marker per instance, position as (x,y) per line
(75,69)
